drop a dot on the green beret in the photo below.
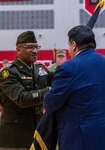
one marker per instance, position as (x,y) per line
(26,37)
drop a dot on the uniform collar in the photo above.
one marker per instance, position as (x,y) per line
(79,52)
(25,64)
(22,66)
(83,51)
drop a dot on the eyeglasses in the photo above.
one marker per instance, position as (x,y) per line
(31,47)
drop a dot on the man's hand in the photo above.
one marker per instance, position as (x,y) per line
(41,92)
(44,110)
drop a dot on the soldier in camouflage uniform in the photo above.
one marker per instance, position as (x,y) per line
(22,85)
(60,58)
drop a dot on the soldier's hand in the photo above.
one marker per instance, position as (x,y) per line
(43,91)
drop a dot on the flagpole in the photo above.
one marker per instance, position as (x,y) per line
(94,17)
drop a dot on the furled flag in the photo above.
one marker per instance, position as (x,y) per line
(45,136)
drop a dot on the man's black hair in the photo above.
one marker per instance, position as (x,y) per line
(83,36)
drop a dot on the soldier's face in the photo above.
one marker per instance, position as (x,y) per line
(27,52)
(60,59)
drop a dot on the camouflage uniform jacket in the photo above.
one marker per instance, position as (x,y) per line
(52,67)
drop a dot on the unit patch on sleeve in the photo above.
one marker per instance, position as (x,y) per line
(5,73)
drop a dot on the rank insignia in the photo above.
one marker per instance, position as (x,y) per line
(5,74)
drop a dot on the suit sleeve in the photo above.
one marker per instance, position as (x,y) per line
(57,97)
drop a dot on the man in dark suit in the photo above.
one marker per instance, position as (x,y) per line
(77,95)
(22,86)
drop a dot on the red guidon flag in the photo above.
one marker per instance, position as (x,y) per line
(90,5)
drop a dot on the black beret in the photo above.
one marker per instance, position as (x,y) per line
(26,37)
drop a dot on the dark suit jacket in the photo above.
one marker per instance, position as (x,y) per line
(77,96)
